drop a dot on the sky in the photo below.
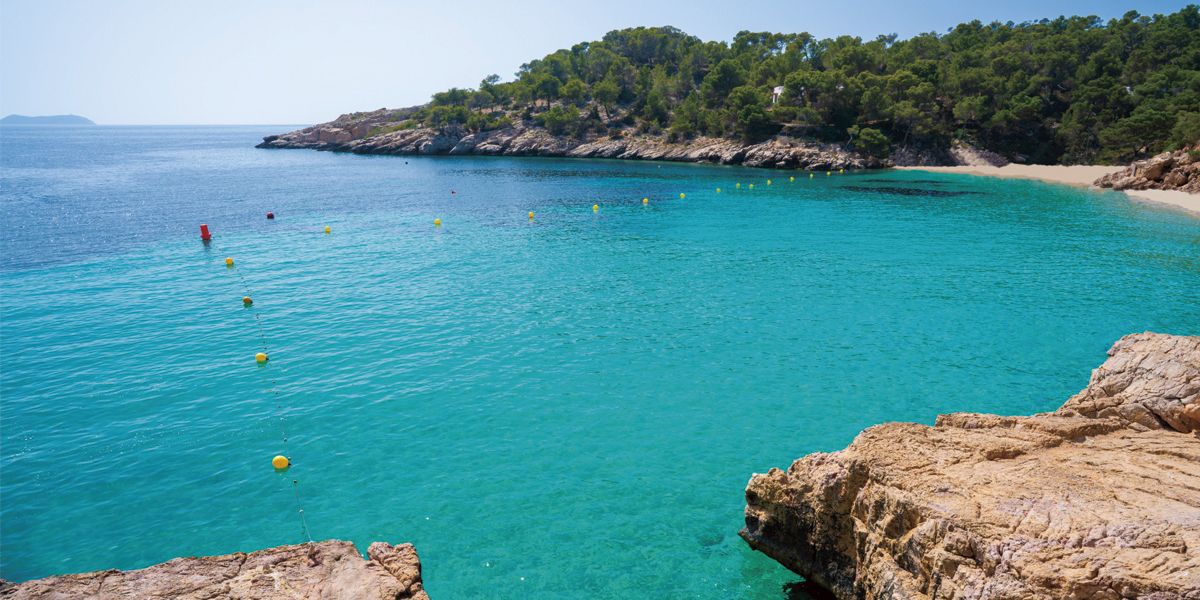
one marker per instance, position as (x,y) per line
(301,61)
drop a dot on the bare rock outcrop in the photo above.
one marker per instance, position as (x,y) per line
(972,156)
(1179,170)
(329,570)
(1098,500)
(378,132)
(1150,381)
(957,154)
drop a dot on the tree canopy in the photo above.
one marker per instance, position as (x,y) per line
(1071,89)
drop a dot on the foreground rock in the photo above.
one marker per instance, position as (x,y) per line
(327,570)
(1099,500)
(387,132)
(1179,170)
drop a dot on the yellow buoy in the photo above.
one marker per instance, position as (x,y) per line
(281,462)
(810,175)
(247,301)
(645,201)
(327,230)
(768,182)
(261,357)
(791,178)
(827,173)
(437,222)
(718,190)
(595,207)
(229,262)
(738,185)
(841,170)
(531,215)
(682,195)
(752,186)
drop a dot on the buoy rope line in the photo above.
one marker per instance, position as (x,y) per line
(264,356)
(262,338)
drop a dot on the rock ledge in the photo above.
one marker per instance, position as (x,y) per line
(387,132)
(1098,500)
(329,570)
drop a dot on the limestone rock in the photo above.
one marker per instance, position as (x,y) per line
(1149,382)
(1178,170)
(1099,500)
(329,570)
(385,132)
(970,156)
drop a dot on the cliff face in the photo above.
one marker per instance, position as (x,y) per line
(1179,170)
(329,570)
(370,133)
(1098,500)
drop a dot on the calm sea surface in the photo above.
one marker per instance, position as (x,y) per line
(563,407)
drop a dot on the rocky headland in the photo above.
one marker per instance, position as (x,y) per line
(1098,500)
(390,132)
(329,570)
(397,132)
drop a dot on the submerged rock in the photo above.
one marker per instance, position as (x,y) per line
(327,570)
(1098,500)
(1179,170)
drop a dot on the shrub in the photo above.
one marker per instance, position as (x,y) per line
(560,120)
(869,141)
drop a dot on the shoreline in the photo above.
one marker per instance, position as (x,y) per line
(359,136)
(1000,503)
(1078,176)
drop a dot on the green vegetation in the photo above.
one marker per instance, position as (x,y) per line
(1072,89)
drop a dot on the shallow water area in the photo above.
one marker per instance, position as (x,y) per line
(567,406)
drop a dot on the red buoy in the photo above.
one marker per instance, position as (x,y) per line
(270,215)
(204,234)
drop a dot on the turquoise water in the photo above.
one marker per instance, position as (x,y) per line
(568,407)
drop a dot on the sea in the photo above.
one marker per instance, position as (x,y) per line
(567,405)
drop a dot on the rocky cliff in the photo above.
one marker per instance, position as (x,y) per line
(1098,500)
(329,570)
(388,132)
(1179,170)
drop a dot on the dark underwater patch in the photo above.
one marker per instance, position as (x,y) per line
(914,181)
(903,191)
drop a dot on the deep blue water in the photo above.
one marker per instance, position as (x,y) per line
(563,407)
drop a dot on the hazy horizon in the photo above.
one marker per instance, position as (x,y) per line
(140,63)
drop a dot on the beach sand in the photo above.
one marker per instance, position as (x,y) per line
(1079,175)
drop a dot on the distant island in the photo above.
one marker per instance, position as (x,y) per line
(1069,90)
(46,120)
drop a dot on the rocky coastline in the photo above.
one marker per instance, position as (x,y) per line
(393,132)
(1098,500)
(328,570)
(370,133)
(1179,170)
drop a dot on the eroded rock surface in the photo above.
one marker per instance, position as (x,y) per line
(329,570)
(384,132)
(1179,170)
(1098,500)
(972,156)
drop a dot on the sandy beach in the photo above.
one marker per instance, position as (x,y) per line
(1079,175)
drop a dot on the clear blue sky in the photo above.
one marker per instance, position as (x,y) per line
(300,61)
